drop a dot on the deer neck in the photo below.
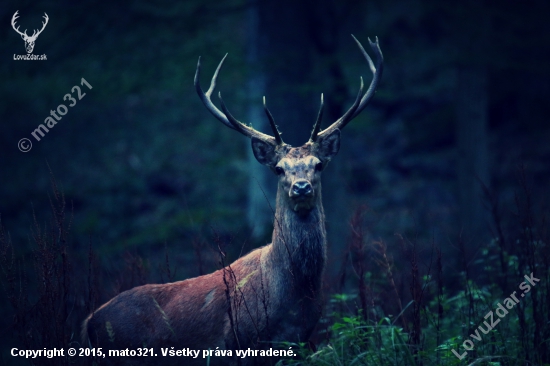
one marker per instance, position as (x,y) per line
(299,241)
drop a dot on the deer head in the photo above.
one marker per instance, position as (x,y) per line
(29,40)
(298,168)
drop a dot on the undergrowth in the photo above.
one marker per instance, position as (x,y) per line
(395,305)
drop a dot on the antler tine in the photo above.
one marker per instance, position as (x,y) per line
(225,117)
(244,129)
(205,97)
(362,100)
(376,72)
(43,24)
(346,117)
(317,126)
(13,19)
(237,125)
(276,132)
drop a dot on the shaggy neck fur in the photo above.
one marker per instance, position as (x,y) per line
(299,241)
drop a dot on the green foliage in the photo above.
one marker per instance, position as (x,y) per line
(354,342)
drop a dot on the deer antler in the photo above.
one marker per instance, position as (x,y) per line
(43,26)
(15,16)
(24,34)
(362,100)
(317,125)
(226,118)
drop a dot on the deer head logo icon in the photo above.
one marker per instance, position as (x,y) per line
(29,40)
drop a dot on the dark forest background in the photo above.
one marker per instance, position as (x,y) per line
(454,145)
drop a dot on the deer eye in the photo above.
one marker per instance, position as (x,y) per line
(279,170)
(319,167)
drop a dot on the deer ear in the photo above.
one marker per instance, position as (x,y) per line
(329,145)
(264,152)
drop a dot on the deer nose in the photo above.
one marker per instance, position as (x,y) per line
(301,188)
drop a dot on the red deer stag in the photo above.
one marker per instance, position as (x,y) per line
(272,294)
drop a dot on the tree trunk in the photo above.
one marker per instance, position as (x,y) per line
(261,195)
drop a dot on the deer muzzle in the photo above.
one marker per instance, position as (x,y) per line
(301,193)
(301,188)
